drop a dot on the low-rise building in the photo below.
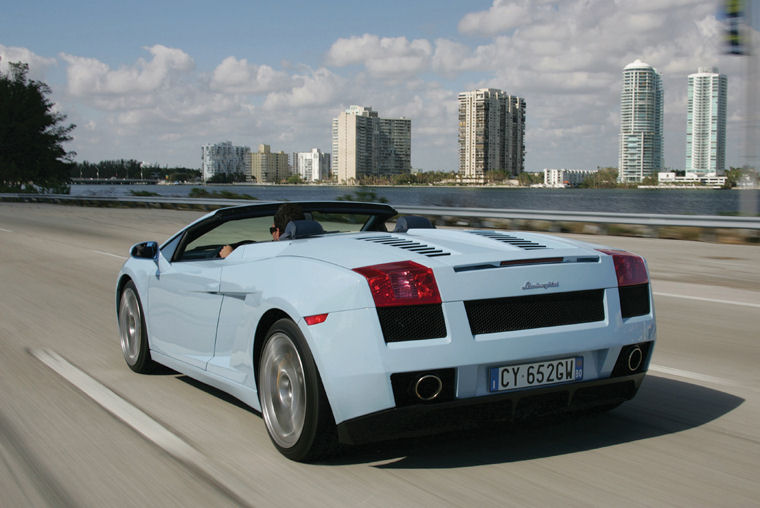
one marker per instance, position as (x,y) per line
(561,178)
(669,178)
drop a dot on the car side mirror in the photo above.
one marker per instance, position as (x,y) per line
(144,250)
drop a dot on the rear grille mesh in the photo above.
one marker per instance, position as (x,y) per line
(412,322)
(535,311)
(634,300)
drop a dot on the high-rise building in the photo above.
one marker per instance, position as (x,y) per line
(706,122)
(366,145)
(267,166)
(641,132)
(224,159)
(491,133)
(312,166)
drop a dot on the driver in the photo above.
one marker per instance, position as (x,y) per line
(285,213)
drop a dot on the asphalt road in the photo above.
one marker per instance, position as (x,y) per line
(690,437)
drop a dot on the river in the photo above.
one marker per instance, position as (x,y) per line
(654,201)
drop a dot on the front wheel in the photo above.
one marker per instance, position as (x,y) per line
(132,331)
(293,402)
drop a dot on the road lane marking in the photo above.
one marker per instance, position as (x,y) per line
(6,230)
(146,426)
(103,253)
(711,300)
(694,376)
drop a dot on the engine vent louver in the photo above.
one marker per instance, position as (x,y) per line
(511,240)
(406,244)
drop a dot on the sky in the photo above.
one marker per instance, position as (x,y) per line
(156,80)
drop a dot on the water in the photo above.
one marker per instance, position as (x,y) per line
(652,201)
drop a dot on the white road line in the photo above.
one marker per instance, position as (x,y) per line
(145,425)
(695,376)
(711,300)
(108,254)
(6,230)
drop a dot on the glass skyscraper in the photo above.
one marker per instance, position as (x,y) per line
(641,116)
(706,122)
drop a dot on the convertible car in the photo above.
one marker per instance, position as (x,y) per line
(367,325)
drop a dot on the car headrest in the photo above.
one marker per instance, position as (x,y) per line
(301,229)
(412,222)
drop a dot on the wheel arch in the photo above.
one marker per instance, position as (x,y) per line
(123,280)
(269,318)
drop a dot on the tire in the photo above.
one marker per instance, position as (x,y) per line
(132,331)
(293,401)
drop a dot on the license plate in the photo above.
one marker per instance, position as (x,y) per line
(527,375)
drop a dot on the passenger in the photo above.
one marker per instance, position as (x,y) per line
(285,213)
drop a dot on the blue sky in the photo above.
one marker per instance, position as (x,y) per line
(154,81)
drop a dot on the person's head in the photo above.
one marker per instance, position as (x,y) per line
(285,213)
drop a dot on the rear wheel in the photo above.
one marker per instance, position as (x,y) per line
(132,331)
(293,402)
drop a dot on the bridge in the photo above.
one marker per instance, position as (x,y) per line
(78,428)
(115,181)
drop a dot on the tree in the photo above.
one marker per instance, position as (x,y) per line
(31,134)
(605,178)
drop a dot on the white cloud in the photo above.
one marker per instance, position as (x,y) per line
(316,88)
(382,56)
(238,76)
(501,17)
(88,76)
(38,65)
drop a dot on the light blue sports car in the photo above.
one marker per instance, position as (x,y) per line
(359,324)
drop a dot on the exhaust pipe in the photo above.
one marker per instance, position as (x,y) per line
(635,357)
(428,387)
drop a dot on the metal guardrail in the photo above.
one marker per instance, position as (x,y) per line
(703,221)
(654,220)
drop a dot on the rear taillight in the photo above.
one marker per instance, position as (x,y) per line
(630,268)
(402,283)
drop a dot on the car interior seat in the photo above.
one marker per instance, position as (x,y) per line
(412,222)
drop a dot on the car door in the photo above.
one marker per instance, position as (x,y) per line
(184,304)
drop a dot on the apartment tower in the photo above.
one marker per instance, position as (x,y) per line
(268,166)
(224,159)
(491,133)
(641,131)
(706,122)
(366,145)
(312,166)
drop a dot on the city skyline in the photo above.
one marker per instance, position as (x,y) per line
(157,87)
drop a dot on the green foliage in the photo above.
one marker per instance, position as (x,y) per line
(31,135)
(227,178)
(530,178)
(605,178)
(294,179)
(650,181)
(131,169)
(737,176)
(364,194)
(197,192)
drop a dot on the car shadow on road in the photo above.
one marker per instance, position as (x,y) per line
(662,406)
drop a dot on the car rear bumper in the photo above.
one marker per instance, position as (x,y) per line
(431,418)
